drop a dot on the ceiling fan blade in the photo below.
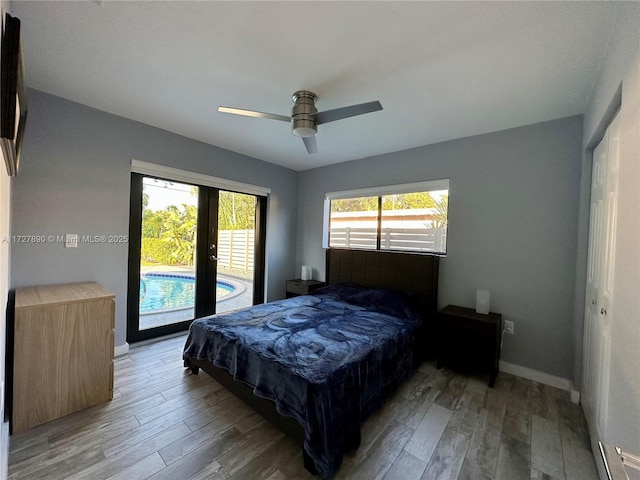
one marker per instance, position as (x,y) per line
(310,143)
(253,113)
(346,112)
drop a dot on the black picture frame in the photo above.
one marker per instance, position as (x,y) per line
(13,101)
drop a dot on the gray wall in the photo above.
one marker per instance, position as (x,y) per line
(75,178)
(513,212)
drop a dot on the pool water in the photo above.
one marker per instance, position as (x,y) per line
(172,292)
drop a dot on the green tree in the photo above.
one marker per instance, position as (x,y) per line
(398,201)
(407,201)
(179,231)
(236,211)
(168,235)
(361,204)
(152,223)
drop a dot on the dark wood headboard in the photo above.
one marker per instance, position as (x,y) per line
(398,271)
(413,273)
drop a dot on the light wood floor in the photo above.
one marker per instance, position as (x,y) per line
(165,423)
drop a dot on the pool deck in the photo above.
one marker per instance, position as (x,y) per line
(234,301)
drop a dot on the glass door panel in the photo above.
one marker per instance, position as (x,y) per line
(167,253)
(235,250)
(194,251)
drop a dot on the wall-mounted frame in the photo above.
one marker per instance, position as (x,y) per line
(13,100)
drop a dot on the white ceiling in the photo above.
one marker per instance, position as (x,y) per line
(442,70)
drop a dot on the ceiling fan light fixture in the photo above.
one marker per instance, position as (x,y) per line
(303,127)
(303,123)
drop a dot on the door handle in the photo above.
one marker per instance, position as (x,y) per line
(603,311)
(213,258)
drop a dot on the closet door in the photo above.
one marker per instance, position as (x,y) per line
(599,310)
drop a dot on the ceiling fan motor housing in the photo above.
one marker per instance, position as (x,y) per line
(303,122)
(305,117)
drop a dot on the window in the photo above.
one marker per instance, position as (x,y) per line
(409,218)
(354,222)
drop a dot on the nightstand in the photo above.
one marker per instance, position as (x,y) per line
(302,287)
(469,340)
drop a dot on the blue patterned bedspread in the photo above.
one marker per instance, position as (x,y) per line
(328,359)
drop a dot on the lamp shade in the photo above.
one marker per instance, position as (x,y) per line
(306,273)
(483,301)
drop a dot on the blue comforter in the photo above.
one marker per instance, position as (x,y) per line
(328,359)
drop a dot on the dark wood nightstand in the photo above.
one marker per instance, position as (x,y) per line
(469,340)
(302,287)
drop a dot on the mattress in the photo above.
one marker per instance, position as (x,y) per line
(328,359)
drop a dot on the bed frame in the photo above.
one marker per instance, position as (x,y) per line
(417,274)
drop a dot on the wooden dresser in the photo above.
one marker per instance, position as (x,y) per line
(63,351)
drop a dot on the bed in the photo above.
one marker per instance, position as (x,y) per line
(318,365)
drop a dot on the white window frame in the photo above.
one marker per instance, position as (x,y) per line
(424,186)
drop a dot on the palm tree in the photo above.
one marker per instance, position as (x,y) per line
(442,208)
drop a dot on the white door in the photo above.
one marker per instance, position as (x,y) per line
(599,289)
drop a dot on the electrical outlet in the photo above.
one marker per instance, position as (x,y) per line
(508,327)
(71,240)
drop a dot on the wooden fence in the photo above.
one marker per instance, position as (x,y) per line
(236,249)
(407,239)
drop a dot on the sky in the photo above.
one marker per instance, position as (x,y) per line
(163,193)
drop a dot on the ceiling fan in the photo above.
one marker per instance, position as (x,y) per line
(305,118)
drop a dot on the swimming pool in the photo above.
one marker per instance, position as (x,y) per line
(161,292)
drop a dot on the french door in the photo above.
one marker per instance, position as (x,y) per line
(194,251)
(599,313)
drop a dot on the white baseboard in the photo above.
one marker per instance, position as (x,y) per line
(575,396)
(121,349)
(541,377)
(4,455)
(126,347)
